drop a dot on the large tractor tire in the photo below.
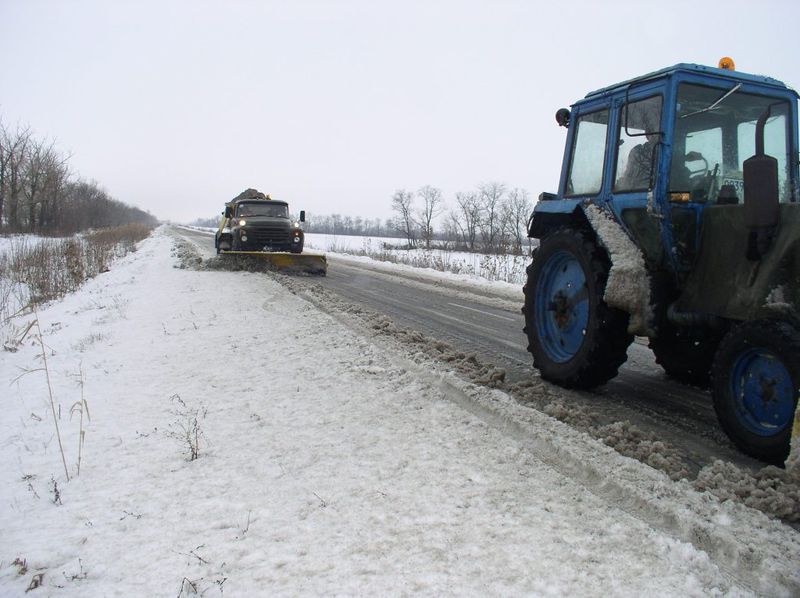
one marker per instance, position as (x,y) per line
(576,340)
(685,357)
(756,381)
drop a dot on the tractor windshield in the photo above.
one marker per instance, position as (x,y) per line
(263,208)
(715,132)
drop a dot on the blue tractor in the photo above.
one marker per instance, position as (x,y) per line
(677,218)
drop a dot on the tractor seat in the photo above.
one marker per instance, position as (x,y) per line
(727,195)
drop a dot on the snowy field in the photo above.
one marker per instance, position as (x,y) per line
(329,462)
(505,268)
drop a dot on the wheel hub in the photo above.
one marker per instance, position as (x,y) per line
(562,307)
(763,389)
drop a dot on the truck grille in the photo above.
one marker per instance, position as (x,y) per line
(268,235)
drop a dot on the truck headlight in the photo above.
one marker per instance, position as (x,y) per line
(242,222)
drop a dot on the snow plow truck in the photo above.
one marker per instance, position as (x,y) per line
(255,226)
(677,218)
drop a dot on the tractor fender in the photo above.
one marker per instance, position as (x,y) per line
(629,283)
(549,215)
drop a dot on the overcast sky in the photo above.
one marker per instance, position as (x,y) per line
(176,107)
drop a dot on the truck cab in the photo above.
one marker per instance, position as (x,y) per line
(259,224)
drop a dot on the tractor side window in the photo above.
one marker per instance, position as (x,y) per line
(588,152)
(636,145)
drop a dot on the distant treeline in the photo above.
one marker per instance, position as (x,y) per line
(39,193)
(334,224)
(492,218)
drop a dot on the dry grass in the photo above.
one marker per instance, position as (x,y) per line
(34,271)
(186,427)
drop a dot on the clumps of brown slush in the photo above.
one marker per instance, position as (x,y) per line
(772,490)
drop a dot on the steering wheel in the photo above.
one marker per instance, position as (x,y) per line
(700,173)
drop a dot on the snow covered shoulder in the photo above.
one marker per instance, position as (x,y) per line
(246,443)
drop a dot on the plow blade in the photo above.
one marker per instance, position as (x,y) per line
(308,262)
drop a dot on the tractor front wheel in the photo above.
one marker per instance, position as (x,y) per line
(755,379)
(576,339)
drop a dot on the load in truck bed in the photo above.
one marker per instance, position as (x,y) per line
(309,262)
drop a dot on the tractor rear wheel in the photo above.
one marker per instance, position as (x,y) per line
(755,378)
(683,356)
(576,339)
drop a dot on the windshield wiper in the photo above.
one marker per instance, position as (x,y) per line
(715,104)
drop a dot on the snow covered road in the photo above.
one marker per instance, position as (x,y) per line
(474,315)
(330,462)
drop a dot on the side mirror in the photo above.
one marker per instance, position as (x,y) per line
(562,117)
(761,201)
(228,213)
(302,215)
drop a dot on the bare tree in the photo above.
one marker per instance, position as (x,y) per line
(468,217)
(516,209)
(490,196)
(45,170)
(38,194)
(453,229)
(432,206)
(51,202)
(403,205)
(13,155)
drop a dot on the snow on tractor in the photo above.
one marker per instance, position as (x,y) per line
(677,218)
(255,226)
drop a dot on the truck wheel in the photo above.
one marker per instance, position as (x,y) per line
(684,357)
(755,381)
(576,340)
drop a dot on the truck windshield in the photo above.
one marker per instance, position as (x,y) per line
(713,138)
(274,210)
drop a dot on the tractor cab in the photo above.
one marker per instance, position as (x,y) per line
(659,149)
